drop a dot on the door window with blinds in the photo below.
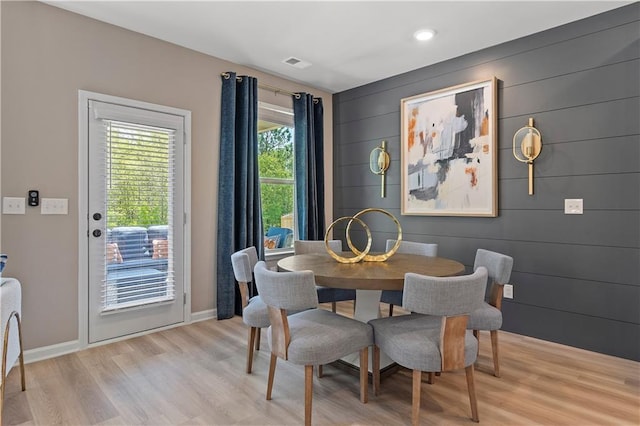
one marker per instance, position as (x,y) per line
(135,219)
(139,163)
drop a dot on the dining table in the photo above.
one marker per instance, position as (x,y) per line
(369,279)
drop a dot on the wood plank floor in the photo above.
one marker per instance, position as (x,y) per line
(195,375)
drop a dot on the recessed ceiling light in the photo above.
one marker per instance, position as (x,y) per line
(423,35)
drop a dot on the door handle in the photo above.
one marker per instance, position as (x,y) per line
(96,233)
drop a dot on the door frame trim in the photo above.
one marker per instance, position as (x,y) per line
(83,204)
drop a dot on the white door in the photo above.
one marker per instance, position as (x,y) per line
(135,220)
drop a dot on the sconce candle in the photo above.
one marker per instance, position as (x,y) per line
(530,144)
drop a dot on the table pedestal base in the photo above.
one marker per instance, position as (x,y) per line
(368,308)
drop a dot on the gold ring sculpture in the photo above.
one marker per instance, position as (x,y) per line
(362,255)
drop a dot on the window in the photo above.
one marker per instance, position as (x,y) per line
(277,179)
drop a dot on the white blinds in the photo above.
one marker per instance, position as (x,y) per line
(139,164)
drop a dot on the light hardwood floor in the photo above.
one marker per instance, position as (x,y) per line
(195,375)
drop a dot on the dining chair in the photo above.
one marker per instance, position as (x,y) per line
(489,315)
(311,337)
(434,337)
(11,350)
(394,297)
(254,311)
(325,294)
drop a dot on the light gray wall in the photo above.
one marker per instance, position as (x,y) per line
(576,278)
(48,54)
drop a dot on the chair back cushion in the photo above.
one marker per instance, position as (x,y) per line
(411,247)
(158,232)
(243,262)
(306,247)
(444,296)
(286,290)
(498,265)
(132,241)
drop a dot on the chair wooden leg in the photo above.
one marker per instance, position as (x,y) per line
(308,393)
(5,347)
(430,377)
(21,356)
(376,370)
(364,375)
(272,371)
(1,399)
(476,334)
(494,348)
(472,393)
(415,403)
(390,310)
(250,343)
(333,307)
(258,334)
(319,371)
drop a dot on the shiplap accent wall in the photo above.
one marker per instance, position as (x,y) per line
(576,277)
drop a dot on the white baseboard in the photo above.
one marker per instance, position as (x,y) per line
(204,315)
(46,352)
(52,351)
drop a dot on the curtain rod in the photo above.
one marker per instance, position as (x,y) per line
(268,87)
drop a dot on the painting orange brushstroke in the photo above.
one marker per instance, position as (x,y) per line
(412,125)
(484,126)
(474,177)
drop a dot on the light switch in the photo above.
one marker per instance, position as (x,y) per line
(573,206)
(54,206)
(13,205)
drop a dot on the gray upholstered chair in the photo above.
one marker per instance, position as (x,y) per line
(394,297)
(254,311)
(325,294)
(489,315)
(311,337)
(434,337)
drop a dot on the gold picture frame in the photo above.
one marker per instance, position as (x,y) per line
(449,151)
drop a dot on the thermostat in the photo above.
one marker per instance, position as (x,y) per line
(34,197)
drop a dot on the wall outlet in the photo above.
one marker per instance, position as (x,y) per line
(573,206)
(13,205)
(54,206)
(508,291)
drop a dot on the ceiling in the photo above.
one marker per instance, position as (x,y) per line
(347,43)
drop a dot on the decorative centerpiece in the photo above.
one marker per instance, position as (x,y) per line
(362,255)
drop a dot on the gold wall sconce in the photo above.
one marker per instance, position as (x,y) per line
(529,142)
(379,163)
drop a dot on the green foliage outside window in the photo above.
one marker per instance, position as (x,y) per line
(275,160)
(137,177)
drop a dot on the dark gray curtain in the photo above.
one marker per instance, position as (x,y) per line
(308,119)
(239,212)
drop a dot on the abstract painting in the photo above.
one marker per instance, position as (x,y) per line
(449,151)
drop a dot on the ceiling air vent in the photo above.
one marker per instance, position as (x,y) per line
(297,63)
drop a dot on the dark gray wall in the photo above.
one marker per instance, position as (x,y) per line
(576,278)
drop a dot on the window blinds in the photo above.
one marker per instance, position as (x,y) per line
(139,164)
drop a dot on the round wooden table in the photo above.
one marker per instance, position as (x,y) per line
(388,275)
(369,279)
